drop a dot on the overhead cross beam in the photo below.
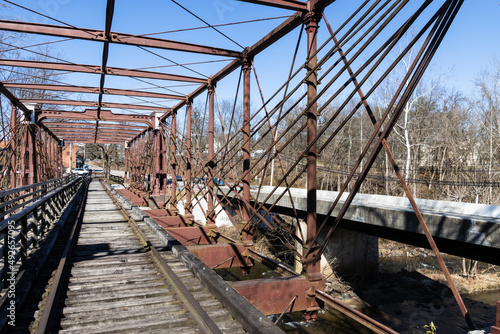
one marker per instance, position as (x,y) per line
(55,125)
(114,37)
(93,69)
(95,104)
(126,133)
(93,90)
(91,115)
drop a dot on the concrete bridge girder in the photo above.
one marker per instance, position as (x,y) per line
(462,229)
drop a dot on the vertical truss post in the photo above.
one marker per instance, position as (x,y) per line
(126,146)
(50,157)
(45,164)
(156,162)
(134,161)
(14,142)
(312,268)
(149,167)
(32,165)
(211,165)
(59,158)
(246,234)
(142,156)
(496,328)
(24,153)
(173,164)
(187,182)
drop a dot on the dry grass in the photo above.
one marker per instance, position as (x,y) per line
(481,282)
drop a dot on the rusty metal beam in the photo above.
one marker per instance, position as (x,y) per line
(116,38)
(63,133)
(319,5)
(222,255)
(93,69)
(310,5)
(18,104)
(273,295)
(496,328)
(54,125)
(359,317)
(283,29)
(15,101)
(91,114)
(94,104)
(93,90)
(91,136)
(191,235)
(285,4)
(104,130)
(92,141)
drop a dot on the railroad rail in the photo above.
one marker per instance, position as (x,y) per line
(115,274)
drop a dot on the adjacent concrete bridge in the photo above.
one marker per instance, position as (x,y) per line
(462,229)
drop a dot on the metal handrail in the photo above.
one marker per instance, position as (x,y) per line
(36,217)
(44,187)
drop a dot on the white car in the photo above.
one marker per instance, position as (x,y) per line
(80,171)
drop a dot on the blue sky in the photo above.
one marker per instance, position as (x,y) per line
(469,47)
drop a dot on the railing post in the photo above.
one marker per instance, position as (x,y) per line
(5,258)
(211,165)
(24,239)
(188,210)
(34,227)
(59,159)
(246,235)
(173,164)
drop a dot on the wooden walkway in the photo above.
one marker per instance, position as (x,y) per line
(124,279)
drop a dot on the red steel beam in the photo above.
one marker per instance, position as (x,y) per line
(117,38)
(93,90)
(92,136)
(86,129)
(311,5)
(92,131)
(283,29)
(222,255)
(273,295)
(94,104)
(93,69)
(92,141)
(359,317)
(18,104)
(92,125)
(286,4)
(91,114)
(496,328)
(190,235)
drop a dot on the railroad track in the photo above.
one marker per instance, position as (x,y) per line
(120,279)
